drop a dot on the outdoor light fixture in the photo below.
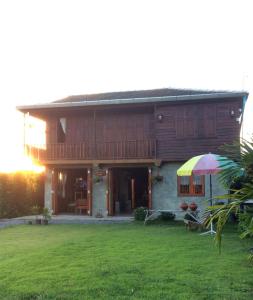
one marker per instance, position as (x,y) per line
(159,117)
(232,113)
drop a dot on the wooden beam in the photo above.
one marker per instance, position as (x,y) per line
(54,191)
(110,192)
(157,162)
(149,188)
(133,192)
(107,192)
(89,190)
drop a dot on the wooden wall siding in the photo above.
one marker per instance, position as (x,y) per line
(195,121)
(187,129)
(51,130)
(108,127)
(192,129)
(123,126)
(79,129)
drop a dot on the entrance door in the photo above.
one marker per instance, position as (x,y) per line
(71,191)
(128,189)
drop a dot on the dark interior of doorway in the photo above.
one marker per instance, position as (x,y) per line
(130,189)
(72,184)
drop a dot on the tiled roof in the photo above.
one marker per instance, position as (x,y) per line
(135,95)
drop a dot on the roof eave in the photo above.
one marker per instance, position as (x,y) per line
(211,96)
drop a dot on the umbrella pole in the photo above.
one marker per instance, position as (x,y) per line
(211,231)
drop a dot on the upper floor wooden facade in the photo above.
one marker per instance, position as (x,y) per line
(166,131)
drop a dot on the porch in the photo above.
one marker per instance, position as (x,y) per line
(74,219)
(109,191)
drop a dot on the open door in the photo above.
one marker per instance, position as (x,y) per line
(127,189)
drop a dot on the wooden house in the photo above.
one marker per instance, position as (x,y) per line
(107,154)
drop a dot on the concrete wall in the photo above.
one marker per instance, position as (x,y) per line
(164,194)
(48,189)
(99,197)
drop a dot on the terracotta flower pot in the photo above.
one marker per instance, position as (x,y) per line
(184,206)
(193,206)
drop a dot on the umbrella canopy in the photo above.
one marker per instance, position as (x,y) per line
(205,164)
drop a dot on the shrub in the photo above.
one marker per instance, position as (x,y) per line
(19,192)
(140,213)
(245,220)
(189,217)
(35,210)
(46,214)
(167,216)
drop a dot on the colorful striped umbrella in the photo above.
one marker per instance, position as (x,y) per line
(205,164)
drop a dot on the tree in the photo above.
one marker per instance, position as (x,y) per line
(239,179)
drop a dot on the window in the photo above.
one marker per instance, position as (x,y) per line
(191,185)
(61,130)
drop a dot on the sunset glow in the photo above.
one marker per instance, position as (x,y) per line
(53,49)
(31,132)
(21,164)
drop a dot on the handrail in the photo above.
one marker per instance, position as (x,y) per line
(128,149)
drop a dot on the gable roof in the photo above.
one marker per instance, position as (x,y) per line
(134,97)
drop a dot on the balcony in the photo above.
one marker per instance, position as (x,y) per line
(138,149)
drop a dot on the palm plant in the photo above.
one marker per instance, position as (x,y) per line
(239,179)
(242,154)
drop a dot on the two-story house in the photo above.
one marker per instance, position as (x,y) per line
(110,153)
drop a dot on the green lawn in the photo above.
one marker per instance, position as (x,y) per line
(128,261)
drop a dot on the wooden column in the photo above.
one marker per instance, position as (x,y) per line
(149,188)
(133,192)
(89,191)
(111,206)
(107,192)
(54,191)
(110,193)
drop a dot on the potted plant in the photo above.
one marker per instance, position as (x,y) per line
(99,214)
(184,206)
(35,211)
(193,206)
(157,178)
(46,215)
(97,179)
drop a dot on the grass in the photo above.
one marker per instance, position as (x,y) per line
(128,261)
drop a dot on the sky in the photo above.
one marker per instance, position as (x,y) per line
(52,49)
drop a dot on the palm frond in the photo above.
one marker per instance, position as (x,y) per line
(220,215)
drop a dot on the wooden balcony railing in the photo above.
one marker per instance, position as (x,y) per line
(138,149)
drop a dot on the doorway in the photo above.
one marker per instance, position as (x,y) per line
(72,187)
(128,189)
